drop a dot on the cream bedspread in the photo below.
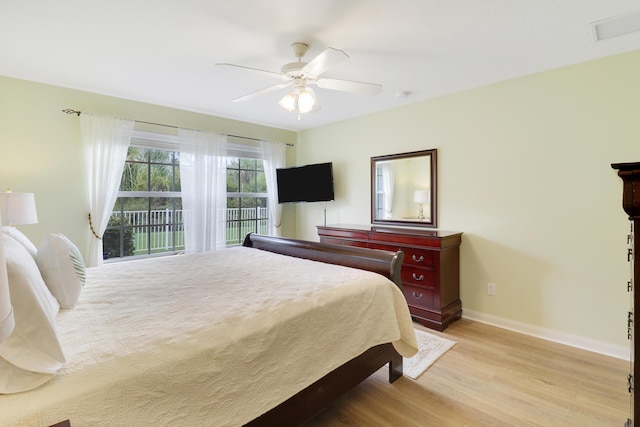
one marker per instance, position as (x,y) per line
(163,342)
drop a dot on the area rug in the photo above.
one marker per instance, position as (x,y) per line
(430,348)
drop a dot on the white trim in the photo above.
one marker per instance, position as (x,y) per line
(149,194)
(247,195)
(617,351)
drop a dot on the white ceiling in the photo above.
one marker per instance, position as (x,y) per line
(164,51)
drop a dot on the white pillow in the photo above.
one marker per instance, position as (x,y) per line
(32,353)
(20,238)
(62,268)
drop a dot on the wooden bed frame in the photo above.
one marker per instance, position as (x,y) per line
(318,396)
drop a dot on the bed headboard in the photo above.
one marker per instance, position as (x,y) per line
(381,262)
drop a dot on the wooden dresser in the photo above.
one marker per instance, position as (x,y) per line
(430,271)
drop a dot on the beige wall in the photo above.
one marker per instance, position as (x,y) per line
(41,148)
(524,171)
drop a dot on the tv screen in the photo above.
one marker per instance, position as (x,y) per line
(310,183)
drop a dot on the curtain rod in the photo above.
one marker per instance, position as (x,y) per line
(71,111)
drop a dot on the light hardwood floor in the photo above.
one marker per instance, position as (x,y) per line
(493,377)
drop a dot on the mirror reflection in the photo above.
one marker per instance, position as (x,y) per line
(403,189)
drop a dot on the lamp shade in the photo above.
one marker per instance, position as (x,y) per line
(302,100)
(421,196)
(288,102)
(306,100)
(7,322)
(18,208)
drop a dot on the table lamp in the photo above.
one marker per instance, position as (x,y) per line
(18,208)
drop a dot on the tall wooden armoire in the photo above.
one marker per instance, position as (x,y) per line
(630,174)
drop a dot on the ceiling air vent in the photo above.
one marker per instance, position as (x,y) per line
(616,26)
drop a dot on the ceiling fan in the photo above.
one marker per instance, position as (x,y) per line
(301,74)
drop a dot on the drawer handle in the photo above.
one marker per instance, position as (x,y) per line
(419,296)
(421,277)
(418,259)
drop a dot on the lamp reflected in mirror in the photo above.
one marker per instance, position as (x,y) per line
(421,197)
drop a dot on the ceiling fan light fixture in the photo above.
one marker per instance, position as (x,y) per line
(299,74)
(301,100)
(306,100)
(288,102)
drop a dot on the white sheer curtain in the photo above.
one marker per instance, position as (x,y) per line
(274,156)
(203,178)
(106,141)
(388,180)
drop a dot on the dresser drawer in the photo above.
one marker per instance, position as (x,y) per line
(414,256)
(418,257)
(417,276)
(418,296)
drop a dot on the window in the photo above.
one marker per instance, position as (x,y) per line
(246,199)
(147,217)
(379,206)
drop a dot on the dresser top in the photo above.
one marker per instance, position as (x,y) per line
(414,231)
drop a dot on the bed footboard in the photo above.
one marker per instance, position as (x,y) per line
(313,399)
(382,262)
(319,395)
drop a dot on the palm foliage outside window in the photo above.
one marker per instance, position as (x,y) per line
(147,216)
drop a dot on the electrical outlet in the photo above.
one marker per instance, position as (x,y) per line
(491,289)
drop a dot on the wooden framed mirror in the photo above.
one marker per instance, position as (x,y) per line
(404,190)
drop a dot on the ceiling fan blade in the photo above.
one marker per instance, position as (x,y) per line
(360,88)
(261,92)
(325,60)
(264,72)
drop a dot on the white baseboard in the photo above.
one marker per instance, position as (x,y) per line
(617,351)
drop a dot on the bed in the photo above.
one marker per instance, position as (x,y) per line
(281,330)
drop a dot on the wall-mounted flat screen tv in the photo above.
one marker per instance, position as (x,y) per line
(310,183)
